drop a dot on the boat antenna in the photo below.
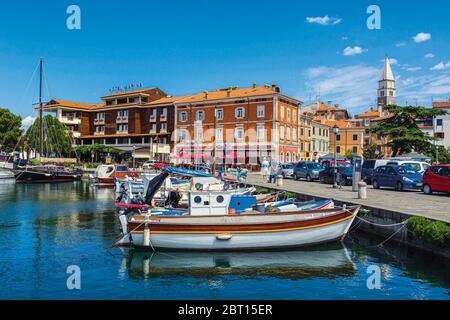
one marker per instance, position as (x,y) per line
(41,127)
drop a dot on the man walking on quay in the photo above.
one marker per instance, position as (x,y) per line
(273,171)
(265,169)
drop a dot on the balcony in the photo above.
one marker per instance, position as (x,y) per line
(122,119)
(122,131)
(162,130)
(76,134)
(98,121)
(152,118)
(99,133)
(152,131)
(70,120)
(163,117)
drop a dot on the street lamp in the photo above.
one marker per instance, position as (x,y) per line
(134,156)
(335,132)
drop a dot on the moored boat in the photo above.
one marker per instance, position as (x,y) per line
(46,174)
(105,174)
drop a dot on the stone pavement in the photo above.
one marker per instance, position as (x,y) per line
(435,206)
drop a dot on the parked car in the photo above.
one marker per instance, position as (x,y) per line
(286,170)
(368,166)
(330,163)
(419,166)
(437,179)
(345,175)
(398,177)
(307,170)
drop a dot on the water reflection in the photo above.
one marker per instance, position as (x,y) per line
(329,261)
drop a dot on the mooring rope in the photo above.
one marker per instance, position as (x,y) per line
(383,225)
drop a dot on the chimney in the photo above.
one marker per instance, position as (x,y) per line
(254,85)
(329,103)
(274,85)
(206,94)
(229,91)
(266,86)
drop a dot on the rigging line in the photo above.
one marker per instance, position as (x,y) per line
(390,237)
(382,225)
(28,84)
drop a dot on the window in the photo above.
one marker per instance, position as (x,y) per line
(288,116)
(260,112)
(355,149)
(281,156)
(100,116)
(122,114)
(219,114)
(122,128)
(182,135)
(198,134)
(439,122)
(355,137)
(260,133)
(288,157)
(183,116)
(288,134)
(219,134)
(294,118)
(281,133)
(163,126)
(338,149)
(153,127)
(239,133)
(100,129)
(281,112)
(294,136)
(200,115)
(239,113)
(338,137)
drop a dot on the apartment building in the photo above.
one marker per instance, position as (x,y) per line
(441,124)
(238,124)
(349,138)
(320,144)
(141,120)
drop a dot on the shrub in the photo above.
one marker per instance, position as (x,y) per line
(433,232)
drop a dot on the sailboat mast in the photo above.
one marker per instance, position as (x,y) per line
(41,127)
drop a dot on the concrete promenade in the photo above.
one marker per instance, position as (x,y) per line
(435,206)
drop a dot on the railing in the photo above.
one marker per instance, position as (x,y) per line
(122,131)
(97,133)
(122,119)
(99,121)
(152,118)
(70,120)
(163,117)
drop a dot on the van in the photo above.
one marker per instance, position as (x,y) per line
(418,166)
(368,166)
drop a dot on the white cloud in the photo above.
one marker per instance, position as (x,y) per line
(429,56)
(351,51)
(441,66)
(421,37)
(414,69)
(27,122)
(324,21)
(401,44)
(354,87)
(423,88)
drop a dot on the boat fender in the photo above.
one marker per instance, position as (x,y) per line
(123,222)
(224,236)
(231,211)
(146,236)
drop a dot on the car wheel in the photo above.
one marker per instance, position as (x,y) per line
(296,177)
(308,178)
(399,186)
(375,184)
(427,189)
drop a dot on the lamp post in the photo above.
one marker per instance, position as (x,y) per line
(134,157)
(335,132)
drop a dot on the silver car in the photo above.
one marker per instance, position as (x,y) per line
(286,170)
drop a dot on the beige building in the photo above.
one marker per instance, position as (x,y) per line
(320,140)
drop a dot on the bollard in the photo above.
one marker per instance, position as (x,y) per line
(280,181)
(362,190)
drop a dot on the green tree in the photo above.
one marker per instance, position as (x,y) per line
(442,153)
(57,140)
(349,154)
(370,152)
(10,130)
(85,152)
(402,130)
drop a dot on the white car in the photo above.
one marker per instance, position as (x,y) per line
(418,166)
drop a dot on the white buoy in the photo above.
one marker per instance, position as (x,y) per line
(146,236)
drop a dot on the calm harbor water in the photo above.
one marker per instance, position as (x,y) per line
(46,228)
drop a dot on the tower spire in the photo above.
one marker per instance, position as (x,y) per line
(386,86)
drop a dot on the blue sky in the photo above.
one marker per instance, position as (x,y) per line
(189,46)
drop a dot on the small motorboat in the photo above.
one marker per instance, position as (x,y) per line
(216,220)
(6,174)
(105,174)
(46,174)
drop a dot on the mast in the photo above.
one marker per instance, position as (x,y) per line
(41,127)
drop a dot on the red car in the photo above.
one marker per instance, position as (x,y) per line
(437,179)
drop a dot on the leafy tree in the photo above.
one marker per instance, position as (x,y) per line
(57,141)
(443,154)
(349,154)
(370,152)
(10,130)
(85,152)
(402,130)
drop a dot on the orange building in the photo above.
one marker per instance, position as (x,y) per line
(349,138)
(250,123)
